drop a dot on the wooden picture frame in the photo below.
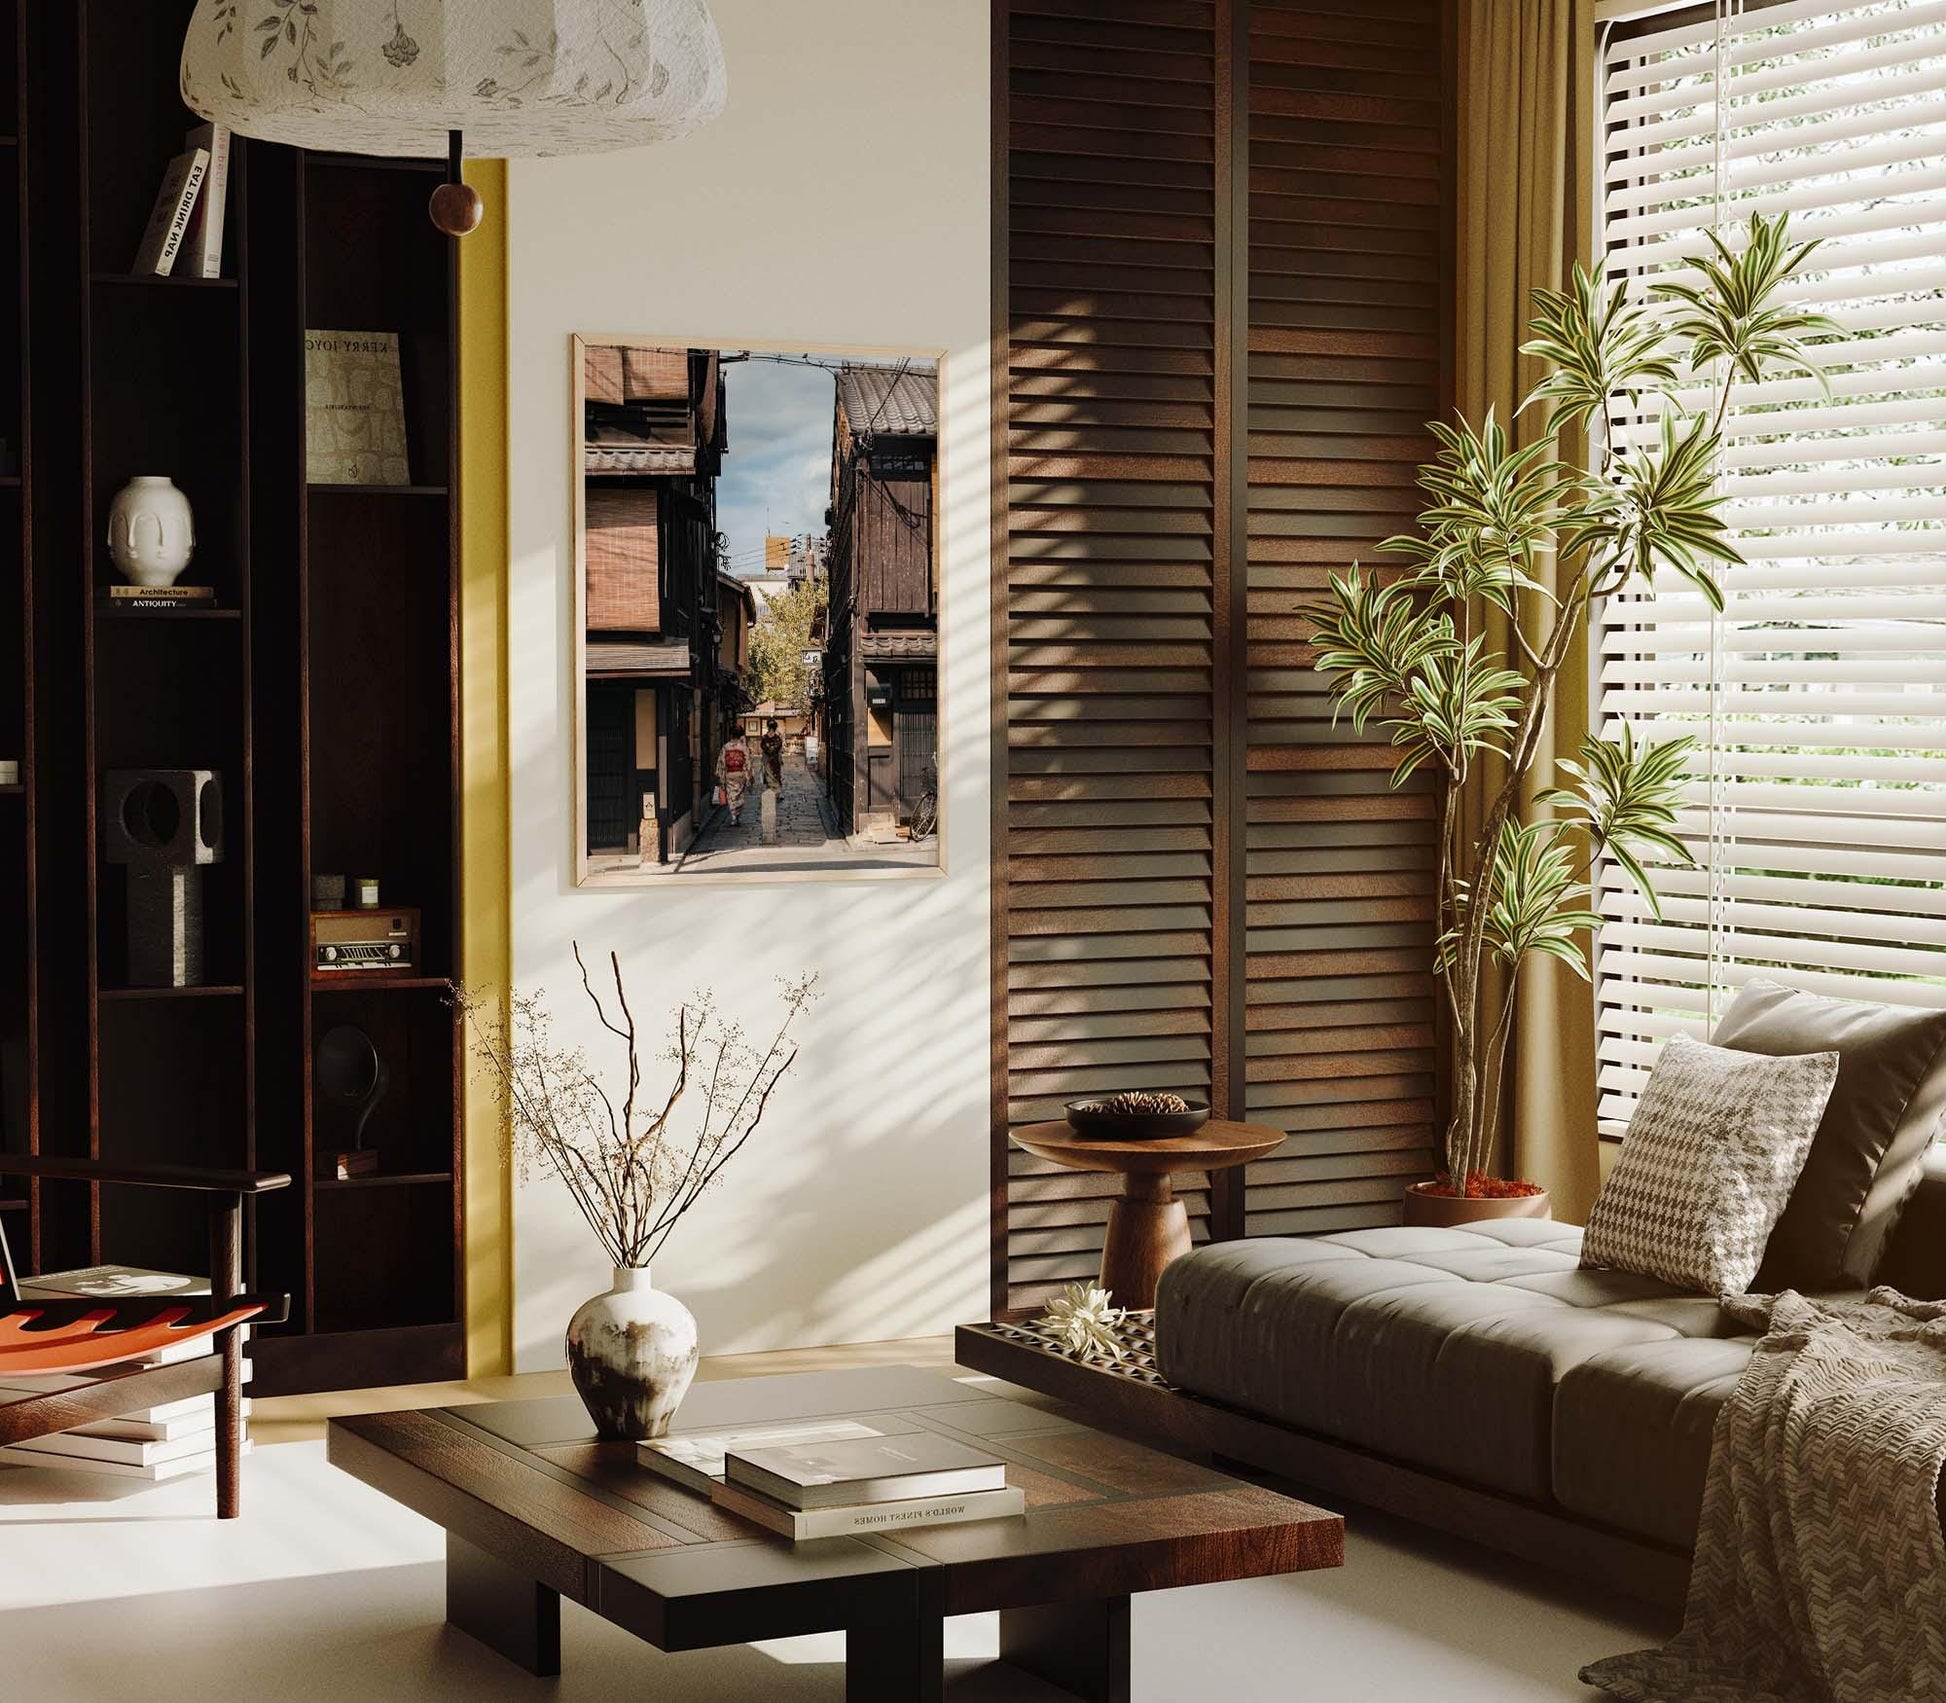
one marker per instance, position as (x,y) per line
(944,474)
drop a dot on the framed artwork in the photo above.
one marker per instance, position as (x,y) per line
(756,620)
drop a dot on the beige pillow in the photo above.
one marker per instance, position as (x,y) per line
(1708,1163)
(1878,1125)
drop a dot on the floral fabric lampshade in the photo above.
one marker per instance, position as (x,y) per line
(511,77)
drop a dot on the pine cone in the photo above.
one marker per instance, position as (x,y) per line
(1135,1104)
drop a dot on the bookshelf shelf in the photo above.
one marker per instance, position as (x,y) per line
(355,983)
(320,683)
(207,990)
(167,615)
(328,490)
(373,162)
(145,281)
(396,1180)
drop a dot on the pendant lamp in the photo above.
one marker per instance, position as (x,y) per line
(426,78)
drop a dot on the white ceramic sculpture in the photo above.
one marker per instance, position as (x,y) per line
(151,533)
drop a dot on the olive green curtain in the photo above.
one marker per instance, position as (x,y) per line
(1525,213)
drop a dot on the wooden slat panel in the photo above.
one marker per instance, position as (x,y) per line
(1213,271)
(1346,181)
(1111,586)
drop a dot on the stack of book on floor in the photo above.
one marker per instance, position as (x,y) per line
(166,1441)
(826,1478)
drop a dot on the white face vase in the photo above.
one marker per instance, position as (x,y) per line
(151,533)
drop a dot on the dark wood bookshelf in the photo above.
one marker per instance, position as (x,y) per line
(322,685)
(19,963)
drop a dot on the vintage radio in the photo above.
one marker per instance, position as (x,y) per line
(364,942)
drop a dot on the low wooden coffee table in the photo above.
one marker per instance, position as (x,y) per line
(1147,1226)
(536,1509)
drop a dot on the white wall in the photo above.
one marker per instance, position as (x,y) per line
(842,199)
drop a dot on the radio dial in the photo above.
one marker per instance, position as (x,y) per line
(331,954)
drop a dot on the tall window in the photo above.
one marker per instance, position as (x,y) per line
(1818,814)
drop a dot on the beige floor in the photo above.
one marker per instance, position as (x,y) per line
(326,1590)
(294,1419)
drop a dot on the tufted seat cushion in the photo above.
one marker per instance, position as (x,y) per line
(1480,1353)
(1632,1433)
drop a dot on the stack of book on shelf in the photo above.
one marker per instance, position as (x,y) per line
(189,209)
(166,1441)
(174,598)
(835,1478)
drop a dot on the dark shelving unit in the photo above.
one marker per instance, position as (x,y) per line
(321,684)
(19,966)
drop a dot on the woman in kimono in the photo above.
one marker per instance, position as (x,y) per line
(733,772)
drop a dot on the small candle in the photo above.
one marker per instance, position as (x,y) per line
(365,888)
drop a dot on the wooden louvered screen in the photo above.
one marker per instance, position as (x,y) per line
(1217,286)
(1346,273)
(1111,579)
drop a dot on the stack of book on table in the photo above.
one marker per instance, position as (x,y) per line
(835,1478)
(165,1441)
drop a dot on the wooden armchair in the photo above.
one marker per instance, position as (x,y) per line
(39,1336)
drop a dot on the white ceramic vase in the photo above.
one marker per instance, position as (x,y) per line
(151,533)
(632,1352)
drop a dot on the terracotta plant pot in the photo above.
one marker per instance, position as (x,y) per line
(1442,1211)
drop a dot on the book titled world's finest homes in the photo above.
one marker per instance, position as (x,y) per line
(354,409)
(802,1524)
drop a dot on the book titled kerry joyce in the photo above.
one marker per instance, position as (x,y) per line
(354,409)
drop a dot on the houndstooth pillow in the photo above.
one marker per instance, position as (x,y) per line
(1710,1159)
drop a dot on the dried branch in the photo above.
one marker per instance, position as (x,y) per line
(626,1170)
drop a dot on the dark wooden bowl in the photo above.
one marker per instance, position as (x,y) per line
(1083,1119)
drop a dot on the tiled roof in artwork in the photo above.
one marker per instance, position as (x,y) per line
(890,401)
(909,647)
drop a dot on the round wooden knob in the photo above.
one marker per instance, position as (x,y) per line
(456,208)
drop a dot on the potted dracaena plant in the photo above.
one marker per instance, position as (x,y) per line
(633,1161)
(1408,650)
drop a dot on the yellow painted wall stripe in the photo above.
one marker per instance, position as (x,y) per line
(487,924)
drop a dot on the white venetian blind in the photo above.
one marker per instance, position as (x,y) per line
(1818,815)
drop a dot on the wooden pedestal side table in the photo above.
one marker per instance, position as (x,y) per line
(1147,1226)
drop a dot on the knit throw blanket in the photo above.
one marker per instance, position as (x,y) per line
(1820,1574)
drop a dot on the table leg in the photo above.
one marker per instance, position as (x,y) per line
(1147,1228)
(901,1661)
(505,1610)
(1080,1646)
(226,1282)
